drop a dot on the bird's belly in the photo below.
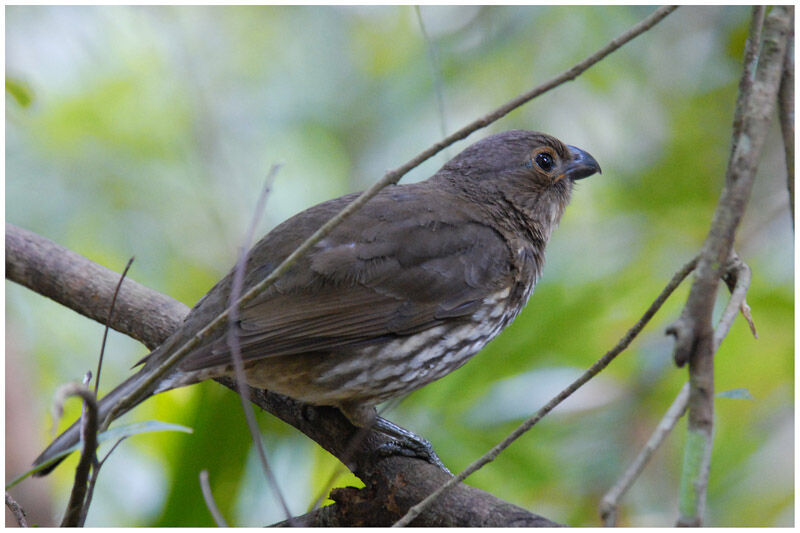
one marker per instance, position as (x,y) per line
(376,372)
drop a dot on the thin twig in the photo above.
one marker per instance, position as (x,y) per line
(436,69)
(114,447)
(786,112)
(208,496)
(610,502)
(108,322)
(389,178)
(595,369)
(737,277)
(72,516)
(16,510)
(693,331)
(93,481)
(233,342)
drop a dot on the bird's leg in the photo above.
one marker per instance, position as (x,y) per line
(405,442)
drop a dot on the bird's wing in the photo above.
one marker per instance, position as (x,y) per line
(399,276)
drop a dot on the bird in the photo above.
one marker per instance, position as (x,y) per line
(404,291)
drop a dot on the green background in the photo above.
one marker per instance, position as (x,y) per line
(148,132)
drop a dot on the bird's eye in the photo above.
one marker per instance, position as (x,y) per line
(545,161)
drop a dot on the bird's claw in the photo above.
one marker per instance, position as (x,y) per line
(406,443)
(409,448)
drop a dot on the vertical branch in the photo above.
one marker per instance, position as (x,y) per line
(75,506)
(751,49)
(786,112)
(694,340)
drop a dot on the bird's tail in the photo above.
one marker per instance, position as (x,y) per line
(72,436)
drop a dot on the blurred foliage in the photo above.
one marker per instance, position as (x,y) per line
(19,91)
(147,131)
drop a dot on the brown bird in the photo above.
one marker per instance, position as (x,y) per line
(400,294)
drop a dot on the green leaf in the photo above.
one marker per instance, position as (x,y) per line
(736,394)
(117,433)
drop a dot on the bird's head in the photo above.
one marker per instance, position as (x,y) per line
(528,172)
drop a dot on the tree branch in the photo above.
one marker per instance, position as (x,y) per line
(88,288)
(693,332)
(467,507)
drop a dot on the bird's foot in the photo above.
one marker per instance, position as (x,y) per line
(406,443)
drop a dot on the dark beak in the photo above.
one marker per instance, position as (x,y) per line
(582,165)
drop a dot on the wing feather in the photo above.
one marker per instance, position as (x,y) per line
(368,288)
